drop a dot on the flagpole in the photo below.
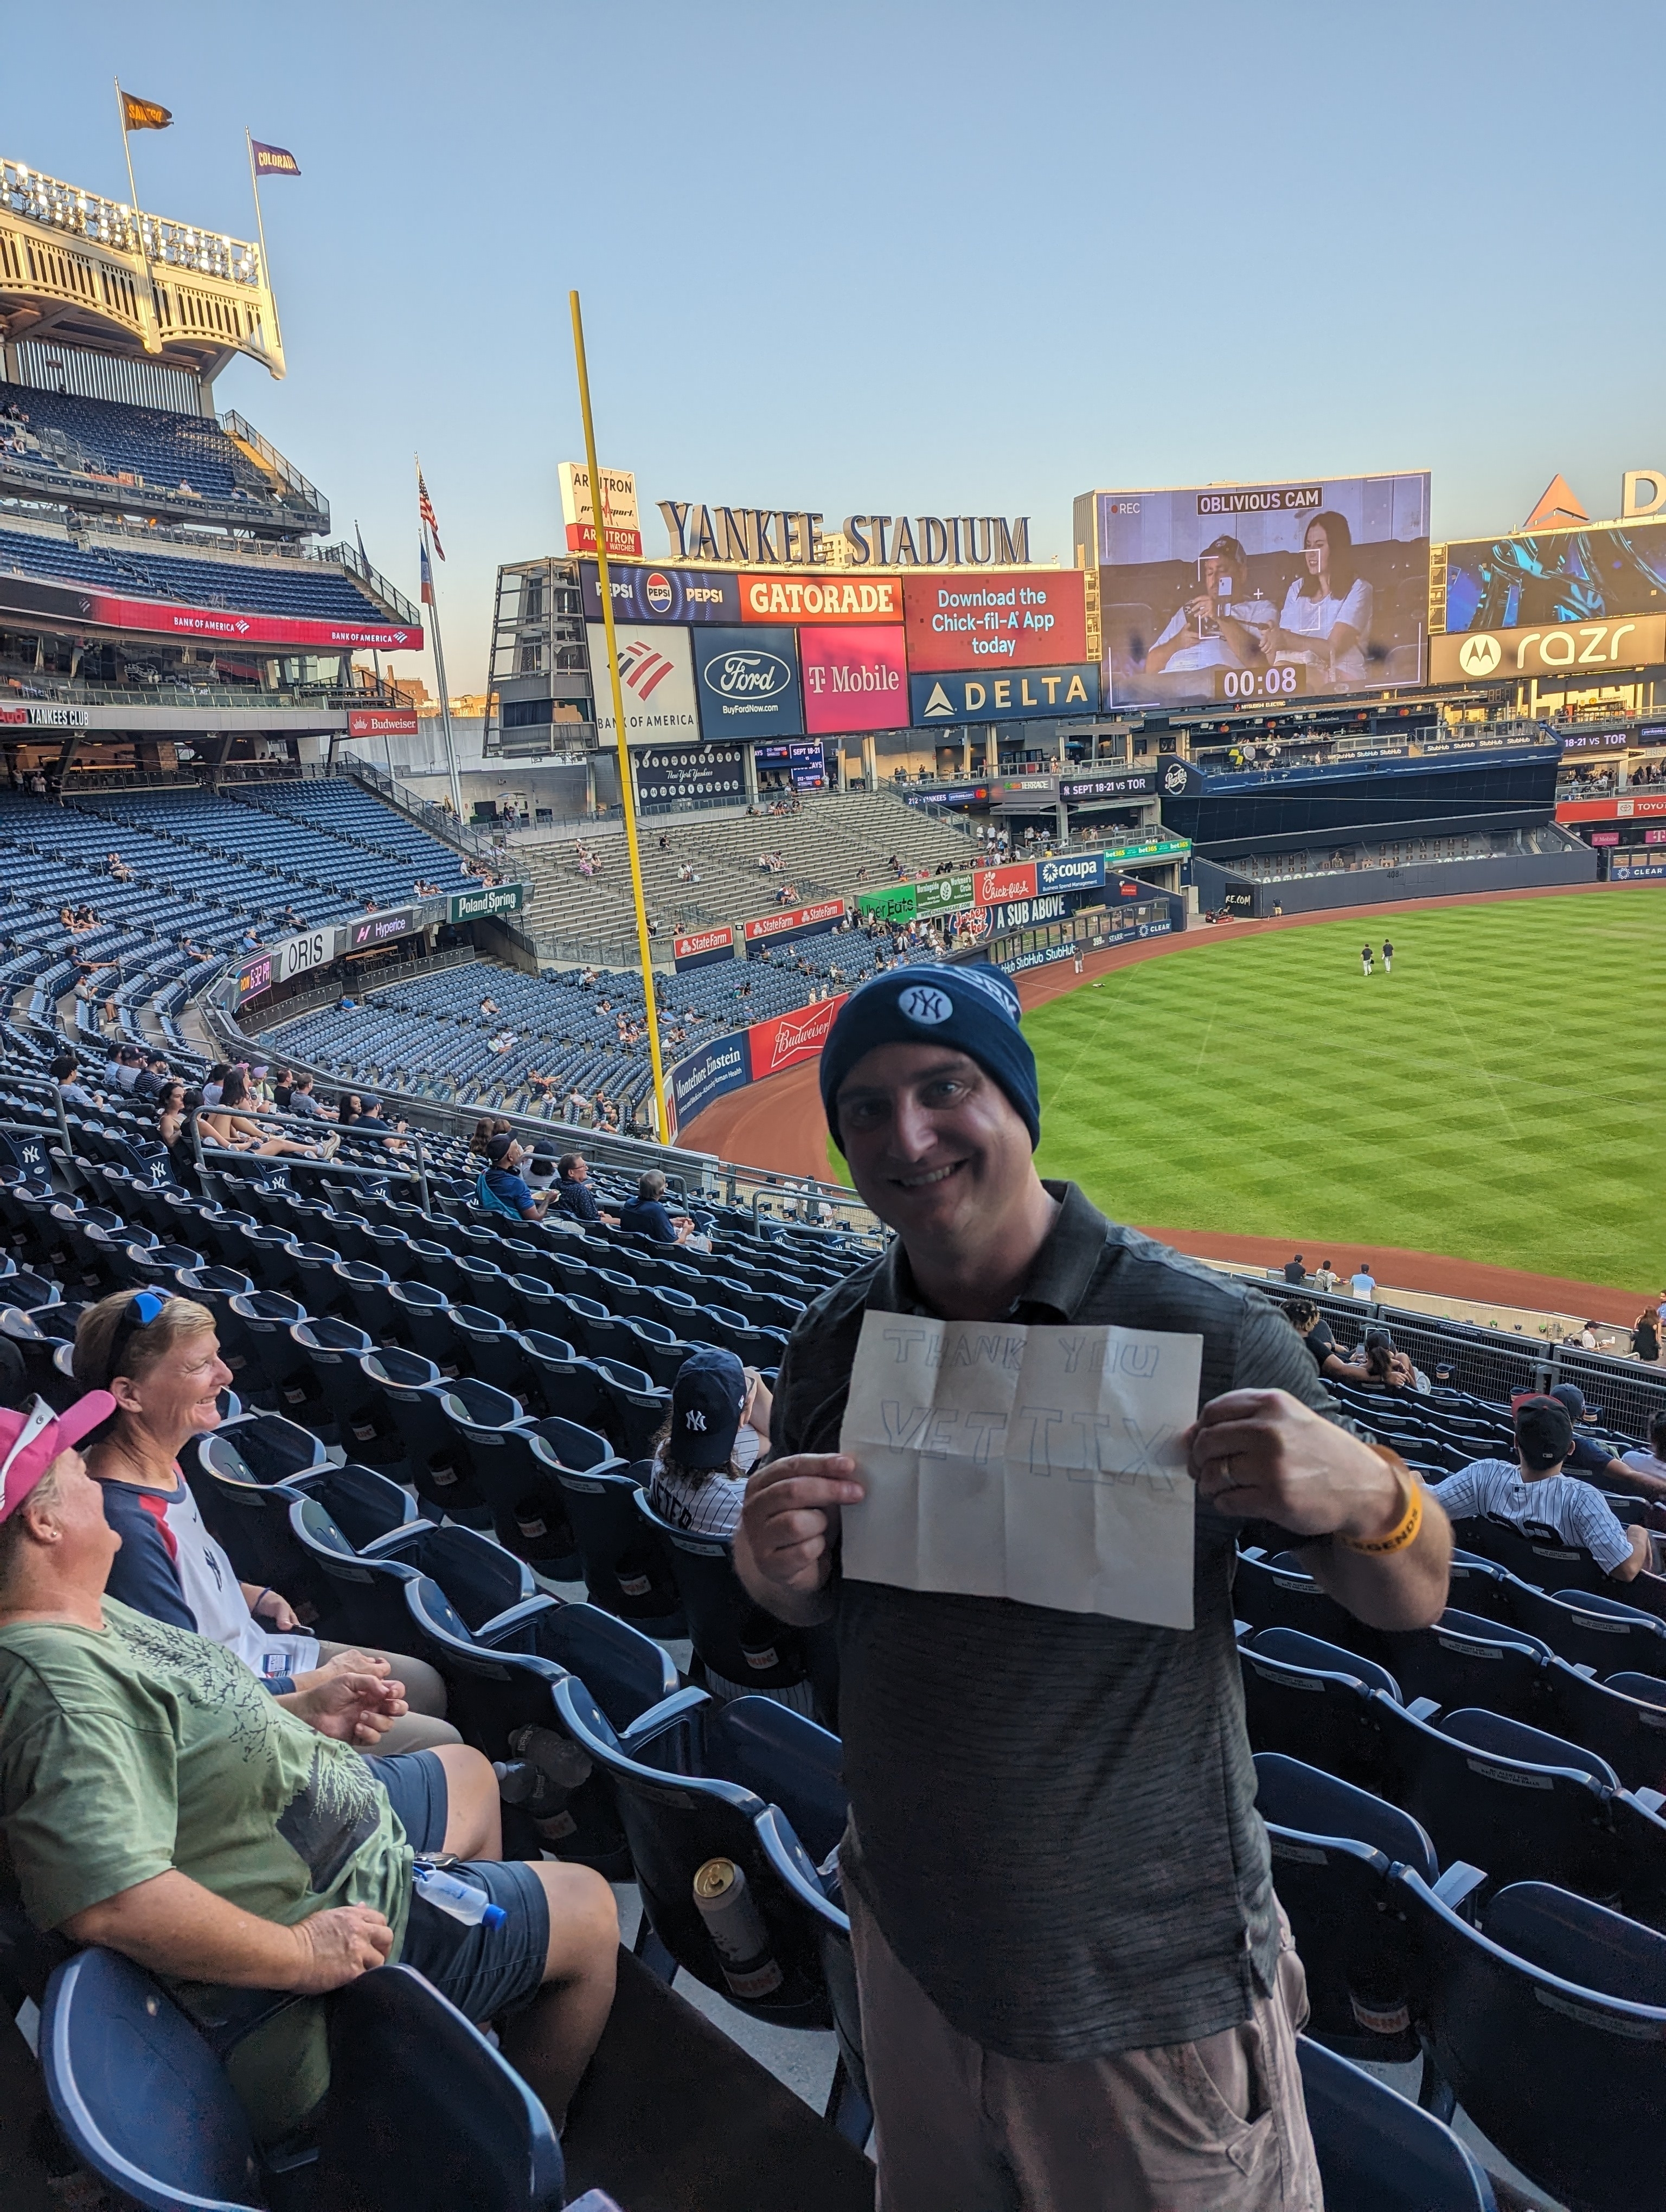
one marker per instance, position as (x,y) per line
(138,219)
(439,672)
(260,233)
(627,797)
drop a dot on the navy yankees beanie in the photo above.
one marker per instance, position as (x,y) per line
(972,1010)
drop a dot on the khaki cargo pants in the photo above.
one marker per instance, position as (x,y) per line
(1215,2126)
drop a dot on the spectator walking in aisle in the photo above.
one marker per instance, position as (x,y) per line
(1388,957)
(156,1800)
(1052,2012)
(1364,959)
(574,1196)
(1535,1488)
(1362,1282)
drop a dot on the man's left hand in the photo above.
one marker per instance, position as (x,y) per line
(356,1708)
(1262,1456)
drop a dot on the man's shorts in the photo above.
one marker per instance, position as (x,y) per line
(415,1785)
(484,1971)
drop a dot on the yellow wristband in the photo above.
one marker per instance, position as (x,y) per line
(1405,1529)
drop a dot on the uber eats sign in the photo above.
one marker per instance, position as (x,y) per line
(481,905)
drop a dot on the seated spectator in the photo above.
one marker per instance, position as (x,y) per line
(487,1006)
(174,1107)
(539,1171)
(1535,1490)
(211,1089)
(284,1085)
(159,1359)
(1315,1331)
(574,1196)
(647,1214)
(484,1130)
(149,1082)
(66,1073)
(718,1426)
(1645,1337)
(156,1800)
(1593,1460)
(1377,1366)
(1652,1461)
(301,1101)
(370,1120)
(234,1131)
(502,1188)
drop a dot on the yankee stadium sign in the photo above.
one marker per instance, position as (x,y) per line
(761,536)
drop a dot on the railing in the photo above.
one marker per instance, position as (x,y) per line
(351,559)
(245,433)
(397,1162)
(229,552)
(439,820)
(85,476)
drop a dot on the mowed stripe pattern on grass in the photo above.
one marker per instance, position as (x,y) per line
(1498,1098)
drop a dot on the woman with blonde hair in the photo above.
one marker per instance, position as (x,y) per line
(159,1359)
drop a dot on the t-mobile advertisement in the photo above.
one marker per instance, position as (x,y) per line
(854,678)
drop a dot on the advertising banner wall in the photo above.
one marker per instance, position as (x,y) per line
(661,595)
(943,895)
(979,695)
(894,903)
(721,1065)
(1611,810)
(290,957)
(1560,649)
(381,722)
(1242,590)
(1139,783)
(656,675)
(748,682)
(767,929)
(381,928)
(669,774)
(854,679)
(1016,618)
(1652,870)
(488,900)
(806,764)
(1553,579)
(702,946)
(1075,871)
(820,599)
(790,1038)
(166,618)
(993,886)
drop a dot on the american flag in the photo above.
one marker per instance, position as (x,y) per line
(425,508)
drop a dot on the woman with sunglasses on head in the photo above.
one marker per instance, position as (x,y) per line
(159,1358)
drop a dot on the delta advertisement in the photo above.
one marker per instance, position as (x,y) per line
(1220,591)
(983,697)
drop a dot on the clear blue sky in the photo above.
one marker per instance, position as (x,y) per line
(910,257)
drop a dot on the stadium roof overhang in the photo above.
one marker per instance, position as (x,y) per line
(98,273)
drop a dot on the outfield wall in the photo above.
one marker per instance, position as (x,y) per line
(1219,890)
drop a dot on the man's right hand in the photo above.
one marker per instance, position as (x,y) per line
(334,1947)
(789,1525)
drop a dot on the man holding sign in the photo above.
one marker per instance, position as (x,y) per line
(1011,1459)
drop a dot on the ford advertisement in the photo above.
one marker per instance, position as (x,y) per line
(748,682)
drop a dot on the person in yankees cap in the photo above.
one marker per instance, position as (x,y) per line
(1078,1990)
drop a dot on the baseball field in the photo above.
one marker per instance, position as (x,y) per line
(1499,1096)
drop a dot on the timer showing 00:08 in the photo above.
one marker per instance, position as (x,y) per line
(1280,683)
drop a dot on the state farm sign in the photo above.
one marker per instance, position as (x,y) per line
(825,912)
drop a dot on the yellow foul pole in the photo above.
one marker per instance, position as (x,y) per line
(627,796)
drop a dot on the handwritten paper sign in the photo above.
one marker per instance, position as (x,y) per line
(1039,1463)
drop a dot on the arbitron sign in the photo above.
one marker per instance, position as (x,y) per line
(1577,649)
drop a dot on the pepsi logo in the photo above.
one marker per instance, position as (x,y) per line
(657,593)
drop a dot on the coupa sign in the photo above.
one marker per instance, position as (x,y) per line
(1504,654)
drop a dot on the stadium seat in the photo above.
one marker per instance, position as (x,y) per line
(1587,1628)
(737,1645)
(1624,1725)
(626,1568)
(1332,1846)
(513,1465)
(633,1408)
(1546,2022)
(1324,1714)
(412,1386)
(760,1788)
(1377,2151)
(1463,1658)
(1276,1593)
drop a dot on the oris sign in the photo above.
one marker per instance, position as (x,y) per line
(1585,649)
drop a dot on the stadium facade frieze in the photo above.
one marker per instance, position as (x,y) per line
(755,538)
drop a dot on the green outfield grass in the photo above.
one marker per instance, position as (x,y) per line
(1498,1097)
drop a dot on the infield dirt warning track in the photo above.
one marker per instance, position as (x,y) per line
(778,1123)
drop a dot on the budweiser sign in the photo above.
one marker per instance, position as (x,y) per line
(790,1038)
(791,918)
(381,722)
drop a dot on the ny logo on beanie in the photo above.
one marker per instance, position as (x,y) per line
(923,1004)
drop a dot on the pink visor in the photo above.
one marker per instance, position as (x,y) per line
(31,1440)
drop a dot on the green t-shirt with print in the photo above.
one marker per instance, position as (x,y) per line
(145,1748)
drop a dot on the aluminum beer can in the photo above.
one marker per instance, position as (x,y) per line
(737,1930)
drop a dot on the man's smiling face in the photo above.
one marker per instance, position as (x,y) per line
(932,1142)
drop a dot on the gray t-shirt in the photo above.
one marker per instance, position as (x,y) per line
(1053,1813)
